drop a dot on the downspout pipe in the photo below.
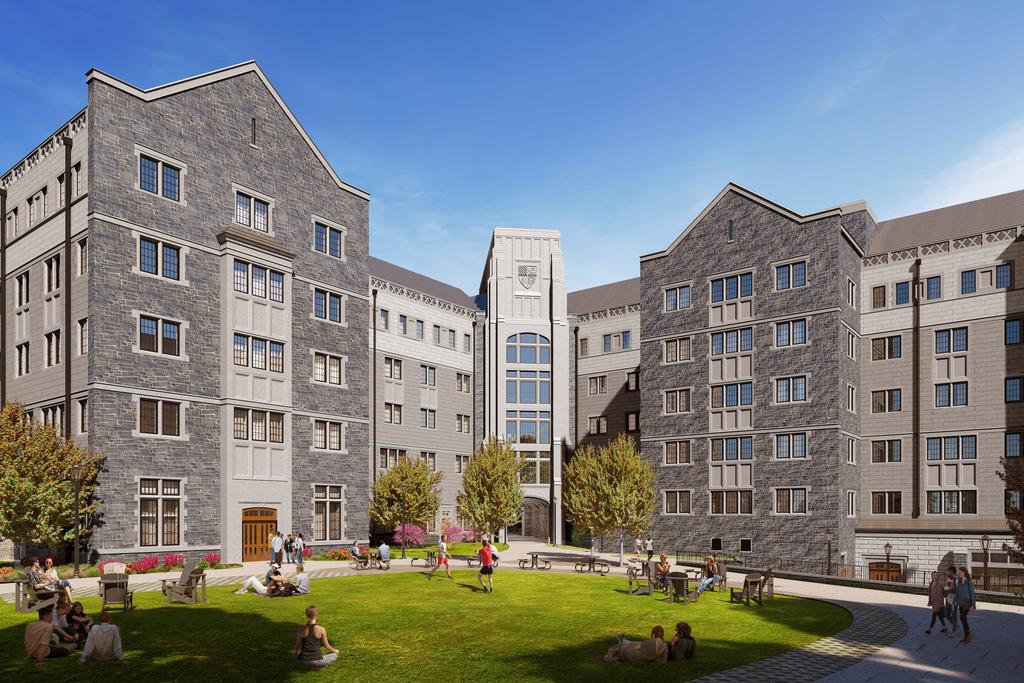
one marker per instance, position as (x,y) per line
(66,294)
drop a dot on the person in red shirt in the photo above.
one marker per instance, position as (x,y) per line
(486,555)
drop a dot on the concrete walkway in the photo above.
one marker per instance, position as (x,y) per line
(886,643)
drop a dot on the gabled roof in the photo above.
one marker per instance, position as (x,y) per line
(959,220)
(420,283)
(603,297)
(767,203)
(212,77)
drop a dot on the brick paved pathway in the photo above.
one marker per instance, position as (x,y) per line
(873,628)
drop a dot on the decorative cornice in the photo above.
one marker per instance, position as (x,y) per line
(420,297)
(45,149)
(945,246)
(608,313)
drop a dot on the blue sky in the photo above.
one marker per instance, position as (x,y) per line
(612,122)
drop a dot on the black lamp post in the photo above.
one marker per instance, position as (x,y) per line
(888,551)
(828,551)
(986,543)
(403,520)
(76,480)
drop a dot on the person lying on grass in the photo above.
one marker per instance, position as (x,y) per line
(653,650)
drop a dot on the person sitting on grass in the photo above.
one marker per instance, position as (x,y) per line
(80,621)
(301,580)
(653,650)
(104,642)
(62,630)
(663,569)
(38,639)
(683,646)
(308,641)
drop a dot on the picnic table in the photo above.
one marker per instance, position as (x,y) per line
(430,560)
(582,563)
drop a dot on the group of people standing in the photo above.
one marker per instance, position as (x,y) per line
(286,549)
(952,598)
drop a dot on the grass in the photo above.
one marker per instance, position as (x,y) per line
(534,627)
(421,551)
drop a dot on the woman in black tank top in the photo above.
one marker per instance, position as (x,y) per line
(308,643)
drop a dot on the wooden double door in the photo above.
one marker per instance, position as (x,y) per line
(257,525)
(885,571)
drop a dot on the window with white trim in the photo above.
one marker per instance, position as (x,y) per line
(791,389)
(328,436)
(791,501)
(328,306)
(676,350)
(952,502)
(258,425)
(157,417)
(53,416)
(327,506)
(428,418)
(393,413)
(791,333)
(676,401)
(887,401)
(430,458)
(158,335)
(597,425)
(887,348)
(52,282)
(159,177)
(598,385)
(633,422)
(887,502)
(250,278)
(677,452)
(252,212)
(389,457)
(791,275)
(159,258)
(328,369)
(328,240)
(24,290)
(851,398)
(160,512)
(677,502)
(677,298)
(851,451)
(851,503)
(887,450)
(462,424)
(24,366)
(791,446)
(83,336)
(83,256)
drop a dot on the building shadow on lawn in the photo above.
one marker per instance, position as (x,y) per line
(177,643)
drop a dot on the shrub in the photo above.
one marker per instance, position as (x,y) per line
(412,534)
(307,552)
(211,559)
(454,533)
(174,560)
(146,564)
(342,554)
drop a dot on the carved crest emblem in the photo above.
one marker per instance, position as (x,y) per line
(527,275)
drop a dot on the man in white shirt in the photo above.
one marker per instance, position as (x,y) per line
(384,551)
(104,642)
(277,546)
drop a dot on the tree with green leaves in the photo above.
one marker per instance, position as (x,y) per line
(422,494)
(1013,474)
(37,500)
(491,497)
(583,500)
(609,490)
(628,488)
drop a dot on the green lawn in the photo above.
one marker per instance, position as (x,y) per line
(399,626)
(453,549)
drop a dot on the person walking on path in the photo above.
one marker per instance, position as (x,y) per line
(650,548)
(965,600)
(486,556)
(639,547)
(951,611)
(937,601)
(442,558)
(308,641)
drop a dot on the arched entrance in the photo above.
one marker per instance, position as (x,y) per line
(533,523)
(257,525)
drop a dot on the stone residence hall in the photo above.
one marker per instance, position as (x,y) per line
(187,289)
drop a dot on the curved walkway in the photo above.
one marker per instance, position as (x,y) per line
(872,629)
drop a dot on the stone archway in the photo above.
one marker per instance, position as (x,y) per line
(535,518)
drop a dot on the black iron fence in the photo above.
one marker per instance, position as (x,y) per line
(879,571)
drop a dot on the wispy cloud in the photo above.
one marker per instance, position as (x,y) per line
(993,165)
(49,91)
(841,91)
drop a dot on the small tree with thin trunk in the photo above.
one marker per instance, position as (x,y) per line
(627,488)
(37,499)
(422,496)
(1013,474)
(583,499)
(491,497)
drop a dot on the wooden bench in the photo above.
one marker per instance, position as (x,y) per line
(753,589)
(27,600)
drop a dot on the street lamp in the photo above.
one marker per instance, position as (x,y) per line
(828,551)
(404,530)
(986,543)
(888,551)
(76,480)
